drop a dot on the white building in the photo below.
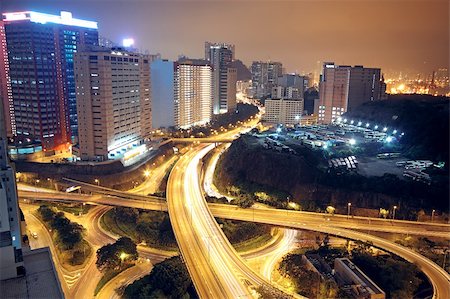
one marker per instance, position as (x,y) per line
(283,111)
(343,88)
(192,92)
(113,102)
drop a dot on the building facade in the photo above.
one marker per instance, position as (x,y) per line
(5,84)
(283,111)
(220,56)
(11,259)
(343,88)
(162,82)
(40,53)
(265,77)
(113,102)
(192,92)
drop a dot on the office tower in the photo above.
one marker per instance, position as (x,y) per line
(264,77)
(281,111)
(343,88)
(162,82)
(5,84)
(220,56)
(113,102)
(11,260)
(192,92)
(40,50)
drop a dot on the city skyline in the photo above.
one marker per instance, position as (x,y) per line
(405,36)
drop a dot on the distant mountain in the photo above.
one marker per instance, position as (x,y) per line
(243,73)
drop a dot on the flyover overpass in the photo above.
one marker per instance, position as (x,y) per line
(292,219)
(203,140)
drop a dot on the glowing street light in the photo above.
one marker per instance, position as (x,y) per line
(123,256)
(278,130)
(352,141)
(367,125)
(359,123)
(349,205)
(389,139)
(432,215)
(147,173)
(351,122)
(345,120)
(97,181)
(385,129)
(376,127)
(393,214)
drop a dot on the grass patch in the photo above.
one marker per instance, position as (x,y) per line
(253,243)
(152,227)
(110,223)
(108,276)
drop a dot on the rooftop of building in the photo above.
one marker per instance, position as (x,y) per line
(65,18)
(189,61)
(40,281)
(364,280)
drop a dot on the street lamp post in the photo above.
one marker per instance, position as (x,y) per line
(393,214)
(97,181)
(349,205)
(432,215)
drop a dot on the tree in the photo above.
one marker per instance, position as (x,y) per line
(127,215)
(46,213)
(168,279)
(116,255)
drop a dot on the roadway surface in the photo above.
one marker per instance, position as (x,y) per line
(366,224)
(216,269)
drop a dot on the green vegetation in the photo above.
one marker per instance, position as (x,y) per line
(434,249)
(168,279)
(247,167)
(398,278)
(245,235)
(221,121)
(108,276)
(151,227)
(426,137)
(115,258)
(306,282)
(116,255)
(68,236)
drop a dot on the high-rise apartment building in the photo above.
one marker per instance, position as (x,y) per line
(220,56)
(283,111)
(113,102)
(343,88)
(265,77)
(192,92)
(40,51)
(162,82)
(11,260)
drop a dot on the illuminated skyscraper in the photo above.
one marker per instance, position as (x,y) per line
(40,51)
(224,76)
(343,88)
(192,92)
(113,101)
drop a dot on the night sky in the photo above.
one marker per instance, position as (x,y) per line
(399,35)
